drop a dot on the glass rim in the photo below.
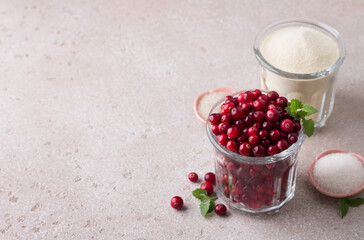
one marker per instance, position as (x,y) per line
(247,159)
(333,33)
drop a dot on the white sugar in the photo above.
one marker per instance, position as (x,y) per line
(339,172)
(208,101)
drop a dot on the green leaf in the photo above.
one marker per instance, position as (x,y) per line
(213,198)
(344,207)
(355,202)
(295,105)
(309,109)
(205,207)
(200,194)
(308,126)
(211,207)
(301,114)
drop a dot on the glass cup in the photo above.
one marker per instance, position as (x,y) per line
(318,88)
(254,184)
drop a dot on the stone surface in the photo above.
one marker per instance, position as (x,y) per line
(97,130)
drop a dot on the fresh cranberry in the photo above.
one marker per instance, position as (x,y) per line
(245,149)
(272,115)
(241,139)
(271,106)
(257,93)
(274,135)
(259,116)
(247,107)
(253,140)
(226,117)
(228,98)
(210,177)
(233,132)
(292,138)
(272,95)
(208,187)
(258,125)
(222,139)
(264,98)
(266,143)
(282,144)
(287,126)
(223,127)
(240,124)
(245,132)
(260,104)
(248,96)
(253,131)
(272,150)
(220,209)
(263,134)
(193,176)
(237,113)
(267,126)
(241,97)
(259,151)
(177,202)
(215,118)
(281,102)
(215,129)
(297,126)
(232,145)
(248,121)
(227,107)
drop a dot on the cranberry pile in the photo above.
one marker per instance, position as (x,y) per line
(255,124)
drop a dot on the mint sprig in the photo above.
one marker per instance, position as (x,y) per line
(346,203)
(207,204)
(300,111)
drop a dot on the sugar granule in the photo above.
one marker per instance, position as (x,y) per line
(208,101)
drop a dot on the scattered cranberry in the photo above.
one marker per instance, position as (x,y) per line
(193,176)
(208,187)
(220,209)
(210,177)
(177,202)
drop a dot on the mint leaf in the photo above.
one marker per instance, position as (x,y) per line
(295,105)
(309,109)
(205,207)
(211,207)
(355,202)
(308,126)
(213,198)
(301,114)
(344,207)
(200,194)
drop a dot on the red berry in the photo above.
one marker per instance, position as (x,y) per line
(223,127)
(282,145)
(222,139)
(264,98)
(272,95)
(297,126)
(245,149)
(232,145)
(226,117)
(215,118)
(253,140)
(272,150)
(193,176)
(274,135)
(267,126)
(259,104)
(281,102)
(233,132)
(253,172)
(237,113)
(220,209)
(259,151)
(292,138)
(263,134)
(259,116)
(215,129)
(241,139)
(256,93)
(241,97)
(287,125)
(210,177)
(253,131)
(239,124)
(258,125)
(248,121)
(271,106)
(228,98)
(177,202)
(272,115)
(248,96)
(247,107)
(245,132)
(226,108)
(266,142)
(208,187)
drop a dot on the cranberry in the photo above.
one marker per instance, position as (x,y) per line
(292,138)
(241,139)
(259,104)
(272,150)
(237,113)
(267,126)
(222,139)
(272,115)
(253,131)
(248,121)
(282,145)
(220,209)
(239,124)
(257,93)
(248,96)
(259,116)
(271,106)
(283,135)
(193,176)
(215,118)
(208,187)
(264,98)
(272,95)
(227,107)
(210,177)
(266,142)
(258,125)
(233,132)
(287,125)
(232,145)
(241,97)
(226,117)
(274,135)
(223,127)
(259,151)
(228,98)
(263,134)
(245,132)
(177,202)
(245,149)
(253,140)
(281,102)
(247,107)
(215,129)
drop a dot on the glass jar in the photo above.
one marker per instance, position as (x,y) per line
(318,88)
(254,184)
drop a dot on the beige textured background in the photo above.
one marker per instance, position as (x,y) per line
(97,130)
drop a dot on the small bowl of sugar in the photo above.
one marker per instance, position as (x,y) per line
(337,173)
(205,101)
